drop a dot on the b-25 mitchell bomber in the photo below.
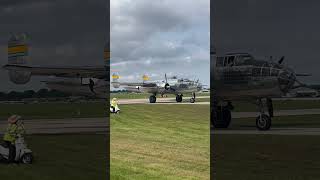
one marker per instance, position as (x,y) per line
(240,76)
(172,85)
(90,81)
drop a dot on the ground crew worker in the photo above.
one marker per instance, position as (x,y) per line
(114,104)
(14,128)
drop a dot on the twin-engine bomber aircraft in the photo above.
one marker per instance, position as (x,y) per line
(240,76)
(168,86)
(79,81)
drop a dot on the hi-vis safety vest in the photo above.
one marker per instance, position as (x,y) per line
(12,131)
(114,103)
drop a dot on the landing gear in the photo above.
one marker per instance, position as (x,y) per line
(263,121)
(152,99)
(223,117)
(179,98)
(220,115)
(193,99)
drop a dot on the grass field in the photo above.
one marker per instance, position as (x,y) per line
(62,157)
(266,157)
(160,142)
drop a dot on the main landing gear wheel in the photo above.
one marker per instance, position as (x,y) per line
(152,99)
(179,98)
(192,100)
(263,122)
(223,118)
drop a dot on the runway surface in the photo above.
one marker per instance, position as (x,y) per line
(161,101)
(62,126)
(273,131)
(277,113)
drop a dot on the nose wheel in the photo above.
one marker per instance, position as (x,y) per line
(263,122)
(193,99)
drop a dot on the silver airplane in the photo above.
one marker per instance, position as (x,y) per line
(78,81)
(172,85)
(240,76)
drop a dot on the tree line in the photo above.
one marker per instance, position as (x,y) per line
(42,93)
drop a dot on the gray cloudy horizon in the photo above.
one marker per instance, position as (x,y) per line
(62,33)
(270,28)
(160,37)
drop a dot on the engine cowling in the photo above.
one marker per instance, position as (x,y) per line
(19,77)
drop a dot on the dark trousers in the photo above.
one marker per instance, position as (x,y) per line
(12,151)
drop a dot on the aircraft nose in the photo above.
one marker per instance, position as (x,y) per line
(286,79)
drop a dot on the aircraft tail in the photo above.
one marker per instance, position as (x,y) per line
(115,80)
(145,78)
(18,51)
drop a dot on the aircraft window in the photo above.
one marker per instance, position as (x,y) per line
(265,71)
(219,62)
(240,60)
(256,71)
(231,61)
(274,72)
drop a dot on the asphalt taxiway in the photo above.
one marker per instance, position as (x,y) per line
(273,130)
(62,126)
(162,101)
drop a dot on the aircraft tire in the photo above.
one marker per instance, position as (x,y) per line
(192,100)
(179,98)
(263,122)
(223,118)
(152,99)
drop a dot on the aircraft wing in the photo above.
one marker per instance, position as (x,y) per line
(81,72)
(135,84)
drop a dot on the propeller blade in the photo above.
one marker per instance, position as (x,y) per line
(303,74)
(281,60)
(165,77)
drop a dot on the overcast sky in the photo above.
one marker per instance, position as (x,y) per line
(71,32)
(287,28)
(158,37)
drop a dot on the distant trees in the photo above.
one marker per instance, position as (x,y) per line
(42,93)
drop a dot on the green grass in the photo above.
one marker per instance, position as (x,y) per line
(54,110)
(62,157)
(160,142)
(266,157)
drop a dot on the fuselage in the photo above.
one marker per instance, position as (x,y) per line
(240,76)
(78,87)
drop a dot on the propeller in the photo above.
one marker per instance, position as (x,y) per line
(281,60)
(166,86)
(91,85)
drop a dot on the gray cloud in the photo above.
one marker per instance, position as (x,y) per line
(71,32)
(157,37)
(270,28)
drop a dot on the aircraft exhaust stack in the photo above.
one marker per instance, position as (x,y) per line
(18,55)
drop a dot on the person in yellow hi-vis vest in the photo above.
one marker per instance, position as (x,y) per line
(15,127)
(114,108)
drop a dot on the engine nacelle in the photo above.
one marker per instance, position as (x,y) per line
(19,77)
